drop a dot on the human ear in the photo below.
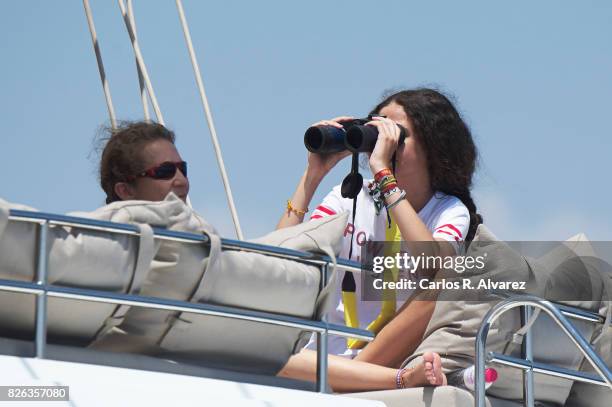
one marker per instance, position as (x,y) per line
(124,191)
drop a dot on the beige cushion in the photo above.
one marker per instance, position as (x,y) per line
(246,280)
(458,314)
(316,236)
(583,394)
(174,272)
(251,281)
(181,271)
(263,283)
(322,236)
(575,268)
(457,318)
(77,258)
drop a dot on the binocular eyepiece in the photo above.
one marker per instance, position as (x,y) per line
(354,136)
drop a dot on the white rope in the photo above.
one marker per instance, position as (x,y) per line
(94,39)
(130,24)
(209,119)
(141,63)
(143,92)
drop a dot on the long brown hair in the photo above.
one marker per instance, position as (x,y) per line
(447,141)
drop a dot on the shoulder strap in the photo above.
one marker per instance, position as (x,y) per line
(146,252)
(518,336)
(212,271)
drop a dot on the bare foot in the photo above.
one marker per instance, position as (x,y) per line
(428,373)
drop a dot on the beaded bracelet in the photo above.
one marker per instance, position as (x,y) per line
(297,211)
(399,382)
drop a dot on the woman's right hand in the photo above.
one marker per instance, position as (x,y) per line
(320,164)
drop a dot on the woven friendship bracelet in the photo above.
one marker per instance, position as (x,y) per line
(386,179)
(402,196)
(381,174)
(391,191)
(376,194)
(388,187)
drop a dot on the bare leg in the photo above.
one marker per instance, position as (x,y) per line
(428,373)
(345,375)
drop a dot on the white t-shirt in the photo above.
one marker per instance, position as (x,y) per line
(444,215)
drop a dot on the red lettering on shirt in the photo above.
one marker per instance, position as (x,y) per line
(349,229)
(361,238)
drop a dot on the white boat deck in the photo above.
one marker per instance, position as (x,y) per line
(95,385)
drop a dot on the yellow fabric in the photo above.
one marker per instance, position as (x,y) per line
(393,240)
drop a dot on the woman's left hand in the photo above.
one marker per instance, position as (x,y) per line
(386,145)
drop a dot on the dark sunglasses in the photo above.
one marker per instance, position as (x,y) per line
(165,170)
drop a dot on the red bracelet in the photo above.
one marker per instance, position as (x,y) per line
(388,187)
(382,173)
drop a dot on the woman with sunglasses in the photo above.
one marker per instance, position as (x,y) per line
(141,162)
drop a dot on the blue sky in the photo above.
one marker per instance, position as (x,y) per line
(532,79)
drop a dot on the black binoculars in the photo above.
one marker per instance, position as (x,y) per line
(354,136)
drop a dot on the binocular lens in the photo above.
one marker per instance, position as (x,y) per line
(324,139)
(361,139)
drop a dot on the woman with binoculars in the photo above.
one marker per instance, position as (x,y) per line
(422,161)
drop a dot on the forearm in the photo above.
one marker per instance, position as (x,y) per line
(403,334)
(345,375)
(301,199)
(400,337)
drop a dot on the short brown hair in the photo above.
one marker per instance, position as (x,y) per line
(122,154)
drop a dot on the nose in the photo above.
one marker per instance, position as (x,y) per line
(180,182)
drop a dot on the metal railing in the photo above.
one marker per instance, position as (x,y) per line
(559,314)
(43,290)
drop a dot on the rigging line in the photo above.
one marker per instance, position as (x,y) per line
(143,77)
(105,87)
(143,92)
(141,63)
(128,18)
(209,119)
